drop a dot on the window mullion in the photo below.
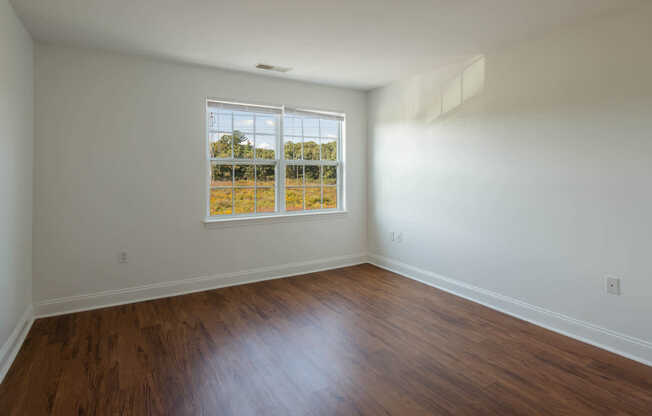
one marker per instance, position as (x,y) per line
(280,172)
(243,161)
(303,141)
(321,169)
(311,162)
(232,182)
(303,159)
(253,152)
(232,137)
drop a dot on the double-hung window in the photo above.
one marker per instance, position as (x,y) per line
(268,160)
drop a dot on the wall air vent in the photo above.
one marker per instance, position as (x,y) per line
(266,67)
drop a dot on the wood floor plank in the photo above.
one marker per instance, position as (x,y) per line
(353,341)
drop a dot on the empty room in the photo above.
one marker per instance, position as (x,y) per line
(284,207)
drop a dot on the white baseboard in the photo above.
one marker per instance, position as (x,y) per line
(59,306)
(621,344)
(11,347)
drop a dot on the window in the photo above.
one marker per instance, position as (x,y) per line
(266,160)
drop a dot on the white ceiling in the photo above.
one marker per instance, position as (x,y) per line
(353,43)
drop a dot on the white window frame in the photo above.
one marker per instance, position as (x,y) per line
(280,163)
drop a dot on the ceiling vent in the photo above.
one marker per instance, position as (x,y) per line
(266,67)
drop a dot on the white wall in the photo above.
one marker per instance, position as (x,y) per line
(538,188)
(16,148)
(120,165)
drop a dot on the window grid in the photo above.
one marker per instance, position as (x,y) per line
(321,162)
(279,162)
(233,162)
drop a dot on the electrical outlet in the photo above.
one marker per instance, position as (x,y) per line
(399,237)
(613,285)
(122,257)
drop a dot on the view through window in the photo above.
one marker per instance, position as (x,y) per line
(250,176)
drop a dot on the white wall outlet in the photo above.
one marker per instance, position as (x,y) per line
(122,257)
(613,285)
(399,237)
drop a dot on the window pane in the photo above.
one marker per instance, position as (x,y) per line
(292,126)
(266,124)
(313,198)
(265,175)
(265,146)
(220,145)
(244,175)
(243,146)
(312,176)
(265,198)
(330,197)
(328,149)
(294,199)
(221,175)
(329,128)
(294,175)
(330,175)
(311,127)
(224,122)
(244,201)
(221,202)
(292,148)
(311,149)
(212,120)
(243,122)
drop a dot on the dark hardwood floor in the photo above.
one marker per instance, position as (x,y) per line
(358,340)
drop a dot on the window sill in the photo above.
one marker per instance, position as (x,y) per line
(212,223)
